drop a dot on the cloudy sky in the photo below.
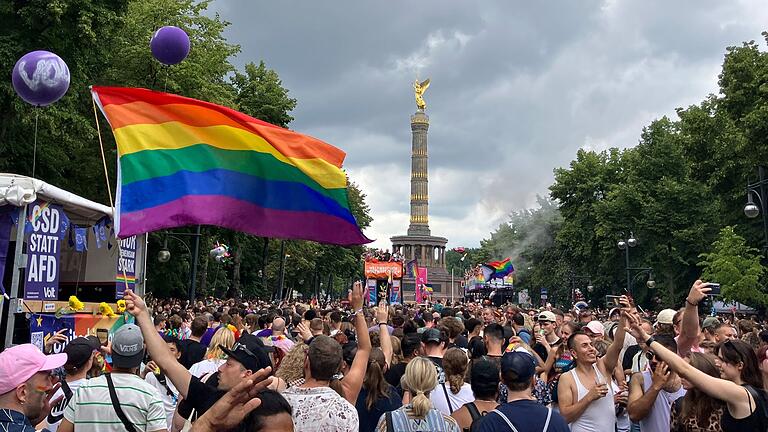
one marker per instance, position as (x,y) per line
(517,88)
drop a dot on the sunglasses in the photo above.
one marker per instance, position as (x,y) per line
(240,347)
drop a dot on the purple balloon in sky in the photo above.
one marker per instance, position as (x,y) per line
(40,78)
(170,45)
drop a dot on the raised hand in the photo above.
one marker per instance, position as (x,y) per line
(382,313)
(661,376)
(698,292)
(356,296)
(134,304)
(60,337)
(633,326)
(304,331)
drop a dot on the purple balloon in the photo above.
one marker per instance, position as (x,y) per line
(40,78)
(170,45)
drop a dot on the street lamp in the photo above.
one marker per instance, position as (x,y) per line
(751,210)
(625,245)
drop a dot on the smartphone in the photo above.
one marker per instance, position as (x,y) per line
(715,289)
(103,335)
(612,300)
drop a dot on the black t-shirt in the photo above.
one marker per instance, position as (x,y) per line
(543,352)
(191,352)
(395,373)
(201,396)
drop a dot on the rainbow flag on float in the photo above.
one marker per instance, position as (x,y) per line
(497,269)
(182,161)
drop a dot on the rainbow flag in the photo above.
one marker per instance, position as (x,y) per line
(183,161)
(497,269)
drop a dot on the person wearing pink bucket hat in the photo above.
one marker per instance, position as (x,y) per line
(26,386)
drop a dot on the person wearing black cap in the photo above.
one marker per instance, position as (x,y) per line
(80,353)
(521,412)
(435,341)
(246,357)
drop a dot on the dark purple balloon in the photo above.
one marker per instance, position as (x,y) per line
(170,45)
(40,78)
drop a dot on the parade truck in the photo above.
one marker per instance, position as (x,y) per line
(61,265)
(383,281)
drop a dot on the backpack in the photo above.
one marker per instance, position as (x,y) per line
(475,414)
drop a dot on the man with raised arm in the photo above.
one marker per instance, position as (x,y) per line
(244,359)
(585,393)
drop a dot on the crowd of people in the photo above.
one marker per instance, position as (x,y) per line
(256,366)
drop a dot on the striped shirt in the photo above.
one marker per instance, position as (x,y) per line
(91,407)
(403,419)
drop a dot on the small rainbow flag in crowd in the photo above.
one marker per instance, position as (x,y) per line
(182,161)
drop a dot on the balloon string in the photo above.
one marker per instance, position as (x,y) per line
(34,147)
(165,86)
(109,188)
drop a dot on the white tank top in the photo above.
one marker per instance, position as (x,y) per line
(600,415)
(658,418)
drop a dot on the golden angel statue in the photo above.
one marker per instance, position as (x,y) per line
(419,89)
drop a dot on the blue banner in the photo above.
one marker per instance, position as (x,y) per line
(47,223)
(125,274)
(81,239)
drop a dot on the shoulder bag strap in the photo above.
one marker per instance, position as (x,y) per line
(447,399)
(116,405)
(388,419)
(473,411)
(549,416)
(506,419)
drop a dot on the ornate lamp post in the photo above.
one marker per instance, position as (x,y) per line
(751,210)
(164,255)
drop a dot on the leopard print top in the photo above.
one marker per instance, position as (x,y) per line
(691,424)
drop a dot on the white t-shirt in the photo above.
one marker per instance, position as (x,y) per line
(437,396)
(206,367)
(169,401)
(91,407)
(57,411)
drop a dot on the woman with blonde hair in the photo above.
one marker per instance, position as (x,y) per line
(419,381)
(215,356)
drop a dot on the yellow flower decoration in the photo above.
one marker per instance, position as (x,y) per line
(105,309)
(120,306)
(75,304)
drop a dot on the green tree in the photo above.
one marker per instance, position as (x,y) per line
(736,266)
(261,94)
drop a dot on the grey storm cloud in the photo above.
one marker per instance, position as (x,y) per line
(517,87)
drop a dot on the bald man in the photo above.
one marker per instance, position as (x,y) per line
(279,339)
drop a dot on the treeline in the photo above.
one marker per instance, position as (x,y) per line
(680,191)
(106,42)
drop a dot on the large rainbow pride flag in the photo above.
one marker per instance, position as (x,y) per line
(182,161)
